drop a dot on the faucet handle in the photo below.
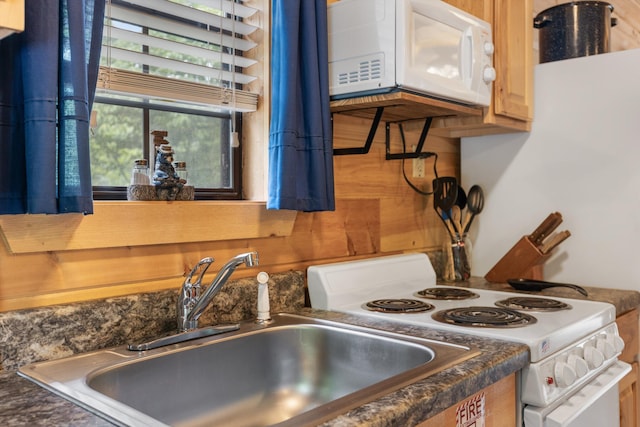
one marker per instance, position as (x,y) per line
(190,294)
(206,262)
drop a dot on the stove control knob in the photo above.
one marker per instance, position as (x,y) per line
(616,342)
(564,374)
(593,357)
(605,347)
(578,364)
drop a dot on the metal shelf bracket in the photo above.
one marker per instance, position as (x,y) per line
(389,156)
(418,152)
(368,142)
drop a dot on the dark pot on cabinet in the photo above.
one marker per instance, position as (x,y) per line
(571,30)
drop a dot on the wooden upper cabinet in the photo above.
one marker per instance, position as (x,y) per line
(483,9)
(11,17)
(513,38)
(511,109)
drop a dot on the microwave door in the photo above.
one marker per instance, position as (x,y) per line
(438,60)
(443,52)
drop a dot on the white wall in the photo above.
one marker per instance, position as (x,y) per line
(582,158)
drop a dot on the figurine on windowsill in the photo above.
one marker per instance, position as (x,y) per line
(166,183)
(165,178)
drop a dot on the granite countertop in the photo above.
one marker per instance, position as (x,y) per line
(623,300)
(23,403)
(42,334)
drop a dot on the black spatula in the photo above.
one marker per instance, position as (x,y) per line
(445,193)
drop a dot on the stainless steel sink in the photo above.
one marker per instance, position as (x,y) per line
(295,371)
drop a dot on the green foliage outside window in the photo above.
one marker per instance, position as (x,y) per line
(118,140)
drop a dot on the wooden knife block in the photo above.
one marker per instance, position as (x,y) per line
(523,260)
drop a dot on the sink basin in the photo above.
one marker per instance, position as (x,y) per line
(295,371)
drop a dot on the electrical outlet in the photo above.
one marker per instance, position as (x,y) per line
(418,168)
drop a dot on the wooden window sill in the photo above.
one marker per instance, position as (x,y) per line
(120,224)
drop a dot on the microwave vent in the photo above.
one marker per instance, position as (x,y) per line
(366,70)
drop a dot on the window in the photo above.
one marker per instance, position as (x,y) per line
(178,66)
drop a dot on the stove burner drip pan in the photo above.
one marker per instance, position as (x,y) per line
(533,304)
(401,305)
(484,317)
(447,294)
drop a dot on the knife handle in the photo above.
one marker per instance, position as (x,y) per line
(554,241)
(545,228)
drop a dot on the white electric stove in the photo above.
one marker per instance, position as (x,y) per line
(572,342)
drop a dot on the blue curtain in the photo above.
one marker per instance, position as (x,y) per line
(47,84)
(300,135)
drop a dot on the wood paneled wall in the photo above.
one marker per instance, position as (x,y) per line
(377,213)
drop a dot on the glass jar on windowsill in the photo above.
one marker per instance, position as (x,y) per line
(140,172)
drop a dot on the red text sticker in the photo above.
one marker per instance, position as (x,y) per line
(470,413)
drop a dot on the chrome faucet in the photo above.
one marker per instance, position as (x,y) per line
(192,302)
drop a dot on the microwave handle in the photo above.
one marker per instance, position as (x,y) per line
(466,57)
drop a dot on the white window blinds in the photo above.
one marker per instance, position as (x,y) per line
(179,51)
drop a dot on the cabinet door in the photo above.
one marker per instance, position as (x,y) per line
(499,408)
(628,325)
(482,9)
(513,59)
(629,398)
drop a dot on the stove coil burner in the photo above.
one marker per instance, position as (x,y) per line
(398,306)
(484,317)
(446,294)
(533,304)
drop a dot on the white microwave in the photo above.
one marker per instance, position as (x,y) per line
(423,46)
